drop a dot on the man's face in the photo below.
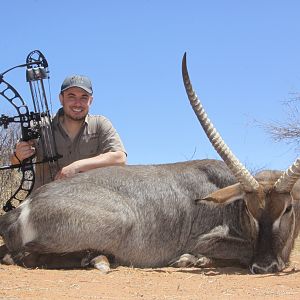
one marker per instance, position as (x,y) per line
(76,103)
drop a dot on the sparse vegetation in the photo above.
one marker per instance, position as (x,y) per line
(10,178)
(287,131)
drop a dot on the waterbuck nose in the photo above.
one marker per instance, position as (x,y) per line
(272,268)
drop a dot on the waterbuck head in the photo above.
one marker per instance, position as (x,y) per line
(271,198)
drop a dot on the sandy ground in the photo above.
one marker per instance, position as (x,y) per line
(166,283)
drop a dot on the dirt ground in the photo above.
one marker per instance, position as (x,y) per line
(165,283)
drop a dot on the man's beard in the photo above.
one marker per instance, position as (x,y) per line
(77,118)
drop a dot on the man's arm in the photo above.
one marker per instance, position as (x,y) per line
(116,158)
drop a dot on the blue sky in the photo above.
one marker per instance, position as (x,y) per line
(243,59)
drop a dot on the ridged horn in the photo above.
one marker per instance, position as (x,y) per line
(248,182)
(287,180)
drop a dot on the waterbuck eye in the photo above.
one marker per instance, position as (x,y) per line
(288,209)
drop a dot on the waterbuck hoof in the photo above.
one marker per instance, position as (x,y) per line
(185,261)
(101,263)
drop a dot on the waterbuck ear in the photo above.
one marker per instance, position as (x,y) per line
(225,195)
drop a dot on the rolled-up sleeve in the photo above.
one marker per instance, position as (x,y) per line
(109,139)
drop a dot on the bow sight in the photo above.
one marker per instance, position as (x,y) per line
(36,124)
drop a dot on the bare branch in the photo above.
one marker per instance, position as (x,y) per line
(289,130)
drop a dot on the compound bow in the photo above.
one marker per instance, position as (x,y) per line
(35,124)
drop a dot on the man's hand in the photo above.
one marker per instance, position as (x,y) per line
(24,150)
(67,171)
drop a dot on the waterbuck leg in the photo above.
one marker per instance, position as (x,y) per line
(226,249)
(189,260)
(8,258)
(81,259)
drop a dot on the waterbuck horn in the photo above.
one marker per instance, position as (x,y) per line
(247,181)
(287,180)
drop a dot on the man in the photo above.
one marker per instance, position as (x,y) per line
(85,142)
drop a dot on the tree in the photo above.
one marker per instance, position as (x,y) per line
(289,130)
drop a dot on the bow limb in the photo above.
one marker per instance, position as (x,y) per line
(23,117)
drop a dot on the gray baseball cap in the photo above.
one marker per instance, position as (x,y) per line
(80,81)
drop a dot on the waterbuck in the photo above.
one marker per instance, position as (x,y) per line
(157,215)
